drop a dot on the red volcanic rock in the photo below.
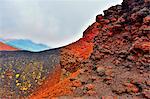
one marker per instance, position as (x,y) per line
(113,19)
(90,87)
(91,92)
(145,46)
(122,44)
(146,1)
(131,87)
(76,83)
(111,60)
(99,18)
(121,20)
(147,19)
(4,47)
(73,54)
(146,93)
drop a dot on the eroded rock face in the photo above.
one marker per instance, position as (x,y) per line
(123,44)
(112,60)
(119,65)
(73,54)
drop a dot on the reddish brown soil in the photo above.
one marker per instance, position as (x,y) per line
(73,54)
(111,61)
(4,47)
(71,57)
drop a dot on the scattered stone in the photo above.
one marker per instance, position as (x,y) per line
(101,71)
(90,86)
(99,18)
(147,19)
(145,46)
(146,94)
(91,92)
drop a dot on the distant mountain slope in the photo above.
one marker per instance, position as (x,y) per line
(5,47)
(26,45)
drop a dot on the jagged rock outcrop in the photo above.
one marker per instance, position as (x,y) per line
(121,52)
(111,61)
(117,64)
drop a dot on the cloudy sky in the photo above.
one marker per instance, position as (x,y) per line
(52,22)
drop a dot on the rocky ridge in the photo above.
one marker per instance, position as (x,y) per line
(114,63)
(111,61)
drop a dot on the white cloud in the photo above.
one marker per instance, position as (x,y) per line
(52,22)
